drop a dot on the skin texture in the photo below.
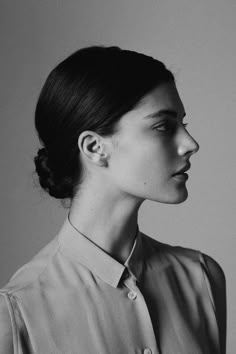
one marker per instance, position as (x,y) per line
(135,164)
(149,150)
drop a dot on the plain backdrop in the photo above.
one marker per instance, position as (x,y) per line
(197,41)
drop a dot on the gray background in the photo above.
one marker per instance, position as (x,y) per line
(197,41)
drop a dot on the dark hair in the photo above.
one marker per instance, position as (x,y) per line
(89,90)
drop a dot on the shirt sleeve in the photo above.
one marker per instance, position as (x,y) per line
(7,326)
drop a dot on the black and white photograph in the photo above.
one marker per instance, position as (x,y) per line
(118,170)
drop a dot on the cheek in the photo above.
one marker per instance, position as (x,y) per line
(141,164)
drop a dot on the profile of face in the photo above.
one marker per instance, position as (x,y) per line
(151,146)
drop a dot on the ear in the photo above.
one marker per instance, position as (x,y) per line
(92,147)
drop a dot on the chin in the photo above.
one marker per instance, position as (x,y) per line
(177,198)
(179,201)
(180,198)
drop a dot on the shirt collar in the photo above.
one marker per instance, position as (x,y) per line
(87,253)
(134,262)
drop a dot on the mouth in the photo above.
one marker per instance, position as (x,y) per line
(181,174)
(182,177)
(182,170)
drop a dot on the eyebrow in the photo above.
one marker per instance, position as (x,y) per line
(164,112)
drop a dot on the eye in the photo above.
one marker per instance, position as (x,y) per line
(166,127)
(163,128)
(169,126)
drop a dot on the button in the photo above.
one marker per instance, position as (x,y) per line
(147,351)
(132,295)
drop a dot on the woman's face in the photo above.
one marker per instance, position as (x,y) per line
(152,145)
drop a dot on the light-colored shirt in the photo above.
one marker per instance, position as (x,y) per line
(73,298)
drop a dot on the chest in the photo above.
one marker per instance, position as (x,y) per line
(158,315)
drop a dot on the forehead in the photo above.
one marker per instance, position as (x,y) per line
(163,97)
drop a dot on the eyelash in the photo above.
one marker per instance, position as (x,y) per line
(169,127)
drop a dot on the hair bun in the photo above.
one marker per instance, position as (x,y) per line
(43,170)
(56,186)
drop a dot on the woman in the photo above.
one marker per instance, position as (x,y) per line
(111,126)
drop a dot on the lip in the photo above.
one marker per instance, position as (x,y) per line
(182,170)
(182,177)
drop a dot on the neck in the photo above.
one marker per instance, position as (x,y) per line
(107,220)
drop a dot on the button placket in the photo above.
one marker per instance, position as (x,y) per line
(130,283)
(135,294)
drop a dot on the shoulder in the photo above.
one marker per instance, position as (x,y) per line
(22,285)
(23,291)
(217,281)
(215,271)
(29,274)
(184,254)
(170,252)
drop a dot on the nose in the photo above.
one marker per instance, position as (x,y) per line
(187,145)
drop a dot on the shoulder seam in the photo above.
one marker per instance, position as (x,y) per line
(12,318)
(207,283)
